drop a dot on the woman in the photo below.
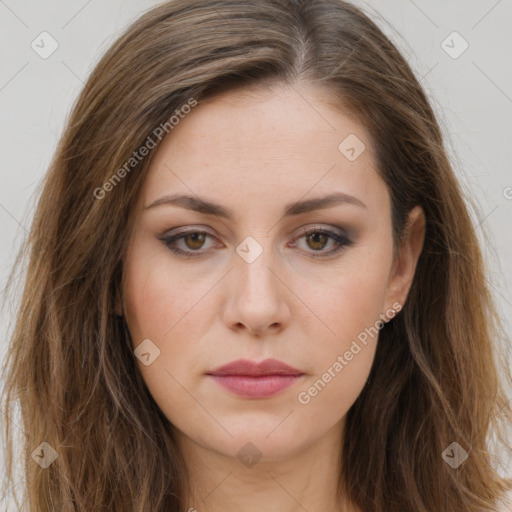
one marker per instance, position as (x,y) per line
(253,281)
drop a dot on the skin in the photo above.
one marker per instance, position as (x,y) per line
(254,151)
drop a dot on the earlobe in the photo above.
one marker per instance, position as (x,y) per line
(408,254)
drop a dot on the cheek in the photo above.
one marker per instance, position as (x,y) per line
(159,312)
(351,305)
(158,296)
(350,297)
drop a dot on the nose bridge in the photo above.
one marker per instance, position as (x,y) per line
(256,299)
(254,261)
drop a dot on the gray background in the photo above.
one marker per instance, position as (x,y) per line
(472,95)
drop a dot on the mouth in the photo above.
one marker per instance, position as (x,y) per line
(255,380)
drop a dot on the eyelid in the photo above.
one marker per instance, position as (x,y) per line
(322,228)
(304,230)
(185,230)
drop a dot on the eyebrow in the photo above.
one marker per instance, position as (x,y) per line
(204,206)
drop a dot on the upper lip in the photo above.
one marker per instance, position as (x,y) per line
(253,369)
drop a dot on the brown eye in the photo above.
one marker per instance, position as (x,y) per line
(317,241)
(191,242)
(194,240)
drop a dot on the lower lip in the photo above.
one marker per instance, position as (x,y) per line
(255,387)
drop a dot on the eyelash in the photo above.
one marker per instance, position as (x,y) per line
(341,242)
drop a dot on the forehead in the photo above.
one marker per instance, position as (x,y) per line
(280,143)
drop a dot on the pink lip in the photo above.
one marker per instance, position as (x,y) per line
(255,380)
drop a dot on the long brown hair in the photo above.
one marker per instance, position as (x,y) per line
(70,365)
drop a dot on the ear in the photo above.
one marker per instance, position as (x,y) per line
(408,253)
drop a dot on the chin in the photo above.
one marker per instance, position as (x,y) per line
(265,441)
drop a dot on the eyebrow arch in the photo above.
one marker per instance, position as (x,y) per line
(201,205)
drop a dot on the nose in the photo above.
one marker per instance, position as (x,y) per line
(257,299)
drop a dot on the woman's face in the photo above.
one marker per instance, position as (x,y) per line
(248,282)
